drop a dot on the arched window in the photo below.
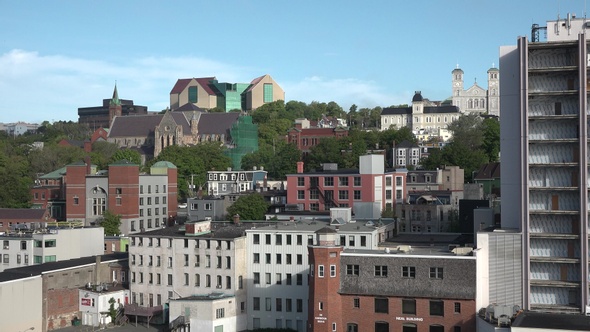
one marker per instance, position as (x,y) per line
(409,328)
(352,327)
(436,328)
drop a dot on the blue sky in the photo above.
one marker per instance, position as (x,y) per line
(56,56)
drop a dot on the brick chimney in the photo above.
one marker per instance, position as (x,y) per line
(300,167)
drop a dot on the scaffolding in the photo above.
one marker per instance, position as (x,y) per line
(244,135)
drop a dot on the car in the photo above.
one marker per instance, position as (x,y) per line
(182,205)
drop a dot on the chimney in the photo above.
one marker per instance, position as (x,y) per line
(87,146)
(236,219)
(300,167)
(265,185)
(96,269)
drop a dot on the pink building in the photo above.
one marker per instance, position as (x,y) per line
(367,190)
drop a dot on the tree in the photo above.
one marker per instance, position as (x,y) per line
(53,157)
(102,152)
(491,138)
(110,222)
(126,154)
(248,207)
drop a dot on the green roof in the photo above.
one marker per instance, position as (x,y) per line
(55,174)
(164,164)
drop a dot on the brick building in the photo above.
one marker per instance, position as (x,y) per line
(144,201)
(406,289)
(21,218)
(367,190)
(305,137)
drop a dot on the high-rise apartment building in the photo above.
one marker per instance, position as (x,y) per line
(545,171)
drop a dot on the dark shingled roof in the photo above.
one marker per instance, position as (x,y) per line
(407,144)
(135,126)
(24,214)
(189,107)
(38,269)
(549,321)
(488,171)
(181,120)
(217,123)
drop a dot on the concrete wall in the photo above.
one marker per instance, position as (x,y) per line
(21,304)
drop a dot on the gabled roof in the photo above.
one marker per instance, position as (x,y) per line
(23,214)
(254,83)
(217,123)
(134,126)
(182,83)
(189,107)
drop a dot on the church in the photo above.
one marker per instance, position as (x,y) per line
(476,99)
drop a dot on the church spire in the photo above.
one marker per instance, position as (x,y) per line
(115,100)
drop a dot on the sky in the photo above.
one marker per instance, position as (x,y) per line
(57,56)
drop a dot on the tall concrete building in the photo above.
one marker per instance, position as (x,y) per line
(545,170)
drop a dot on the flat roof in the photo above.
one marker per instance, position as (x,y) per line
(551,321)
(39,269)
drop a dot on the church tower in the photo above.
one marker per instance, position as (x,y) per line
(115,108)
(457,86)
(494,91)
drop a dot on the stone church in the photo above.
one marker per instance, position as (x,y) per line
(476,99)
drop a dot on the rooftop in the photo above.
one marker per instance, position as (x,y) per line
(550,321)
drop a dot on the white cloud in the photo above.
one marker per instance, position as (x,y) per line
(344,91)
(36,87)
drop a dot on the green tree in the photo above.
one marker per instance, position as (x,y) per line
(248,207)
(53,157)
(110,222)
(278,160)
(491,138)
(102,153)
(126,154)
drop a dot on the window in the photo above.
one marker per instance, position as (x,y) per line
(220,313)
(356,302)
(197,280)
(357,195)
(320,271)
(437,308)
(268,279)
(299,239)
(320,306)
(409,272)
(268,304)
(352,327)
(314,194)
(240,282)
(267,238)
(381,326)
(256,238)
(381,305)
(278,239)
(343,181)
(256,304)
(288,258)
(256,278)
(279,304)
(299,305)
(398,180)
(288,239)
(192,94)
(299,259)
(268,259)
(23,245)
(363,241)
(343,194)
(357,181)
(409,306)
(299,279)
(328,181)
(289,281)
(352,270)
(256,259)
(457,307)
(186,279)
(380,270)
(50,243)
(169,280)
(436,273)
(300,194)
(300,181)
(268,93)
(279,259)
(208,280)
(332,271)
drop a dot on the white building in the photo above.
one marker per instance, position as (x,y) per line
(278,269)
(545,173)
(476,99)
(221,183)
(195,259)
(20,249)
(94,304)
(213,312)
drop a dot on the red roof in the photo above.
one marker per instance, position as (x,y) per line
(182,83)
